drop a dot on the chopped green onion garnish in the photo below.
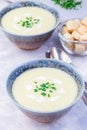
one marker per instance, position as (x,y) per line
(68,4)
(43,94)
(46,88)
(28,22)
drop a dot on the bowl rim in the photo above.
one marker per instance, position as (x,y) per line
(46,60)
(65,39)
(36,4)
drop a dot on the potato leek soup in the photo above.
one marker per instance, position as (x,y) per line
(45,89)
(28,21)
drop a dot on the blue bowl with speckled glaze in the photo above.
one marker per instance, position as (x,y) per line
(29,42)
(45,116)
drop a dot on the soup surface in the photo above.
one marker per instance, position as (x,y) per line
(45,89)
(28,21)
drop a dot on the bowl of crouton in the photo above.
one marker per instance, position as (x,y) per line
(73,36)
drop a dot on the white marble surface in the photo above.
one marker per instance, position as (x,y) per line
(10,57)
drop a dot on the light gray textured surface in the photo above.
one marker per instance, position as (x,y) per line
(10,57)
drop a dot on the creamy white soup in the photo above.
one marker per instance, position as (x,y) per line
(45,89)
(28,21)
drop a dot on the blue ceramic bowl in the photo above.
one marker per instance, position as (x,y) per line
(29,42)
(45,116)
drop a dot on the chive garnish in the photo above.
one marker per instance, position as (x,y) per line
(50,91)
(68,4)
(43,94)
(35,82)
(48,95)
(28,22)
(45,89)
(35,90)
(53,88)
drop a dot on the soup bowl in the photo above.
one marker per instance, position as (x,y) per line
(31,36)
(46,114)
